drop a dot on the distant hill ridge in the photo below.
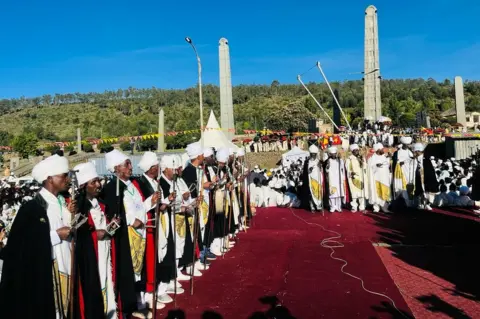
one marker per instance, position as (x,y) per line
(127,112)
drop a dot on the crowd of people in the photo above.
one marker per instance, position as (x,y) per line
(109,247)
(363,176)
(135,241)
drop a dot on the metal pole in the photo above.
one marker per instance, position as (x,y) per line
(200,95)
(316,101)
(334,97)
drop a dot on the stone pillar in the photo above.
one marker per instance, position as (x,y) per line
(226,97)
(460,101)
(161,131)
(372,95)
(79,141)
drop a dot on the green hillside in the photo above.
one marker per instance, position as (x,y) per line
(135,111)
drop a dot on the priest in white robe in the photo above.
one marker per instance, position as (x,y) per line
(379,179)
(357,177)
(404,171)
(336,178)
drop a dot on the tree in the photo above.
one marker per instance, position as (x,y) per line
(5,138)
(25,144)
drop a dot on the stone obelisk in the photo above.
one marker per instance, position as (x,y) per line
(372,97)
(161,131)
(226,97)
(460,101)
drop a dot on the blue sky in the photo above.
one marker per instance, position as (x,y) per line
(58,46)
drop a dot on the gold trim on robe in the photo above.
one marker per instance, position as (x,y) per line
(137,249)
(64,281)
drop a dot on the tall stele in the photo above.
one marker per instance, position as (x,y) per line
(226,97)
(372,96)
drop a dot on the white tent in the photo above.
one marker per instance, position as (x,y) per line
(213,136)
(293,155)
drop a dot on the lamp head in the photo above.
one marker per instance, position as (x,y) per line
(188,40)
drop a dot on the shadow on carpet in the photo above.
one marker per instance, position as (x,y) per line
(442,242)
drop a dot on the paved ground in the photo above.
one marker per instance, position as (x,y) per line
(426,262)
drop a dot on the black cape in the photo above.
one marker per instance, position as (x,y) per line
(26,289)
(125,279)
(86,267)
(430,177)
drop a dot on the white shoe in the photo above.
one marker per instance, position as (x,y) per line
(171,284)
(201,266)
(182,277)
(216,252)
(362,209)
(172,291)
(142,314)
(196,272)
(163,299)
(354,210)
(332,210)
(428,207)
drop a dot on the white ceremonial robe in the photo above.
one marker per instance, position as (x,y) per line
(379,182)
(357,176)
(162,236)
(403,175)
(136,208)
(336,183)
(104,262)
(59,216)
(315,181)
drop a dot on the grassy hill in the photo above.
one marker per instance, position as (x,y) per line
(135,111)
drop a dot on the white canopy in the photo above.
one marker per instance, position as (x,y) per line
(213,136)
(294,155)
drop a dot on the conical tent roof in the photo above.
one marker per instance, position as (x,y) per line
(213,136)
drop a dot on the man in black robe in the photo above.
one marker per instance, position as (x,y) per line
(148,185)
(87,288)
(27,288)
(113,197)
(425,178)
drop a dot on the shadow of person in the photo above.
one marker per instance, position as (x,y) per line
(209,314)
(175,314)
(435,304)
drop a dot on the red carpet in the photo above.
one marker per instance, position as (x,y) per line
(281,256)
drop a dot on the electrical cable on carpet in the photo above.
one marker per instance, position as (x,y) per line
(332,243)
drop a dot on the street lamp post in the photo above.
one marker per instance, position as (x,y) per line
(200,95)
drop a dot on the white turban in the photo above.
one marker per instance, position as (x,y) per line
(232,150)
(222,155)
(418,147)
(332,150)
(114,158)
(51,166)
(407,140)
(177,161)
(85,172)
(432,158)
(313,149)
(377,147)
(240,152)
(148,160)
(167,161)
(353,147)
(208,152)
(194,150)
